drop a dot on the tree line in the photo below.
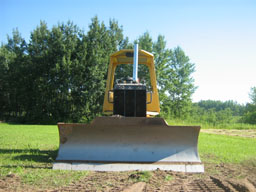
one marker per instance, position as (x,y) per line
(250,110)
(60,73)
(219,112)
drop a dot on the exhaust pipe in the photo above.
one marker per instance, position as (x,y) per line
(135,63)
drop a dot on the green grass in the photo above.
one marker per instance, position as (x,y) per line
(141,176)
(226,149)
(28,145)
(210,126)
(29,150)
(168,178)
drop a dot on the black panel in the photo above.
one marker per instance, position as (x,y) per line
(141,103)
(130,103)
(130,100)
(119,102)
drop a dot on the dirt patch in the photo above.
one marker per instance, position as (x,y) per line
(249,133)
(136,187)
(217,177)
(12,182)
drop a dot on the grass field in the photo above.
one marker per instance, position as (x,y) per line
(29,150)
(240,126)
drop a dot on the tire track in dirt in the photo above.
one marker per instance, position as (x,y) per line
(250,185)
(219,185)
(206,185)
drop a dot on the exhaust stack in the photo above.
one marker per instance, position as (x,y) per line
(135,63)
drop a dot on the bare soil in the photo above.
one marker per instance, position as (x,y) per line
(249,133)
(216,178)
(221,177)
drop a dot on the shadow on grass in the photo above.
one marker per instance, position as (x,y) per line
(26,166)
(35,155)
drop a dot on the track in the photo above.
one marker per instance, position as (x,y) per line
(218,185)
(211,184)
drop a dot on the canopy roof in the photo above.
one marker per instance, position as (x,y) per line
(125,56)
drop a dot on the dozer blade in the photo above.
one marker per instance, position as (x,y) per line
(128,143)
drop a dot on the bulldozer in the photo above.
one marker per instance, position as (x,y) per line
(129,136)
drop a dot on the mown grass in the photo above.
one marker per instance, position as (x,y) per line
(205,125)
(29,151)
(226,149)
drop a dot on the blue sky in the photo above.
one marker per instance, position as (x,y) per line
(218,36)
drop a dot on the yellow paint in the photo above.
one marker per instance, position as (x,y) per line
(120,57)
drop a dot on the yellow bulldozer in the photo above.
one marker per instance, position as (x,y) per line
(129,137)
